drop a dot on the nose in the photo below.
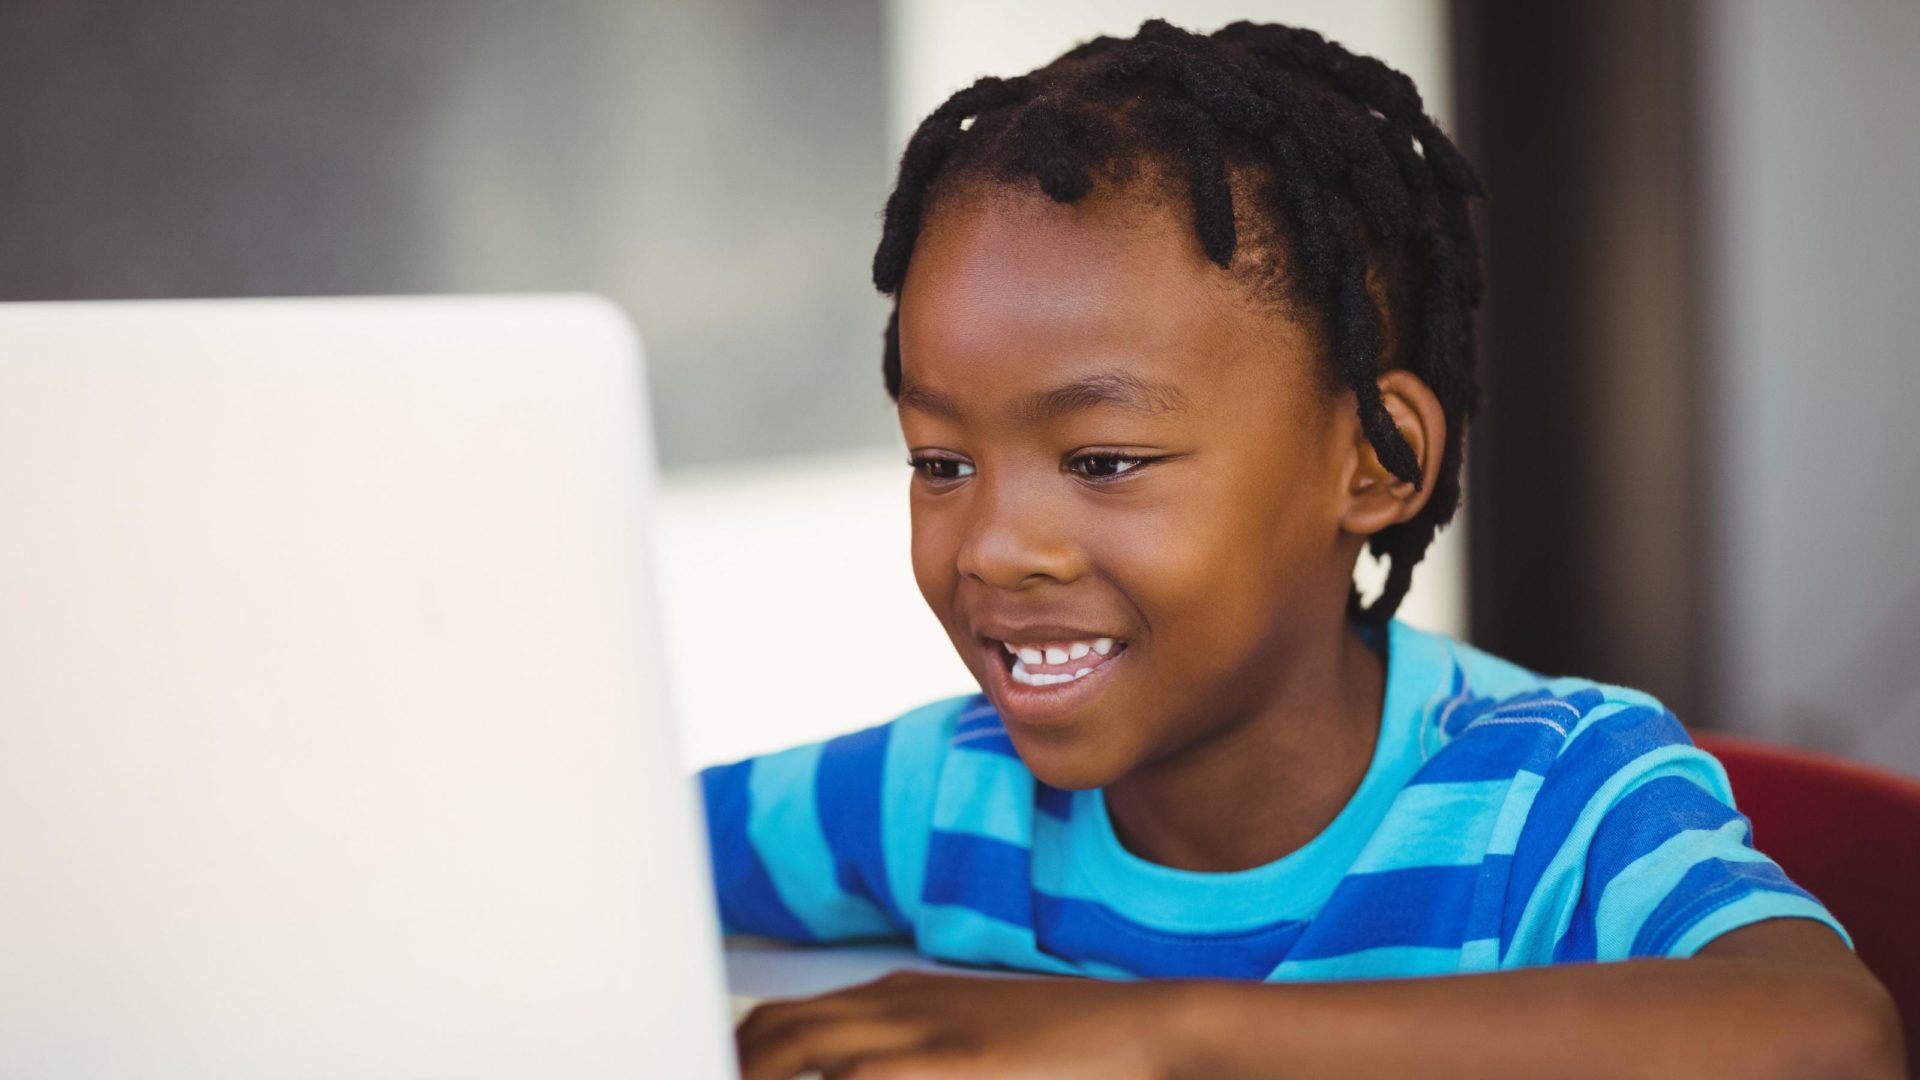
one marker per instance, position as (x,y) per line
(1019,535)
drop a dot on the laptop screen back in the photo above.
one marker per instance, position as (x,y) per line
(332,734)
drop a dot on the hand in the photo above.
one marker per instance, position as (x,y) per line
(915,1026)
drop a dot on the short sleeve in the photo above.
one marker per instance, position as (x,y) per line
(827,842)
(1637,849)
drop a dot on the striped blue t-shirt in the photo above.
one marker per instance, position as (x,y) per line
(1506,820)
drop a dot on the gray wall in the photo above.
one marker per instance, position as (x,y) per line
(717,167)
(1812,272)
(1584,464)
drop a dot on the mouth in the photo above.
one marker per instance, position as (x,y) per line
(1043,680)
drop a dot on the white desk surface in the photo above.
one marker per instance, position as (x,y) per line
(760,968)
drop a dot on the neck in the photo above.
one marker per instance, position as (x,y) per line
(1256,789)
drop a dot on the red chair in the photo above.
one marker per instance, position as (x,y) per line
(1849,835)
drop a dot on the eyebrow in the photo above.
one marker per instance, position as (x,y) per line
(1118,389)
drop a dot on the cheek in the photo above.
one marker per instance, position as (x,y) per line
(1220,556)
(934,545)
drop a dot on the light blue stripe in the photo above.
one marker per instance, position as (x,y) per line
(1488,676)
(1055,871)
(785,829)
(1391,962)
(1513,813)
(1480,954)
(961,934)
(1753,908)
(1437,825)
(915,749)
(1098,970)
(986,795)
(1640,887)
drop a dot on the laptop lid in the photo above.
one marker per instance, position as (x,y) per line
(333,739)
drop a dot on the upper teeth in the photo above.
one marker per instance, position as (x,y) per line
(1056,654)
(1059,653)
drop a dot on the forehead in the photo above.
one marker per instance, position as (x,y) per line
(1008,292)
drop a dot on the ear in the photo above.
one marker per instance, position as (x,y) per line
(1375,498)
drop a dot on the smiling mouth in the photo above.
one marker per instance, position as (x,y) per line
(1040,664)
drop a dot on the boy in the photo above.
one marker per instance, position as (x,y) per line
(1182,322)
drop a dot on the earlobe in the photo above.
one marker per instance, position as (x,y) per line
(1376,498)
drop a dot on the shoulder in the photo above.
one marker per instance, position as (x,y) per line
(1617,837)
(1563,754)
(1491,717)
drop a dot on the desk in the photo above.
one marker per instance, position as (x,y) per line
(760,968)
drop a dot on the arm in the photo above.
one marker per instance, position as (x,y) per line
(1781,998)
(825,842)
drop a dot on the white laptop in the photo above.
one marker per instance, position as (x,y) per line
(332,734)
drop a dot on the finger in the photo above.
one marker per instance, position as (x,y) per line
(773,1015)
(879,997)
(824,1045)
(912,1065)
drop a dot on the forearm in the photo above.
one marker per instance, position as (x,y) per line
(1697,1018)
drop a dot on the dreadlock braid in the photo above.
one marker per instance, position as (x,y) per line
(926,151)
(1354,201)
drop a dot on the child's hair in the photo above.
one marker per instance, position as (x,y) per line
(1358,204)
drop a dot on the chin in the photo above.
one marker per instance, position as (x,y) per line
(1066,765)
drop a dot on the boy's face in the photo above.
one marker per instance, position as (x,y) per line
(1124,469)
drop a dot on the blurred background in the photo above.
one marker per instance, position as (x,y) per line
(1696,472)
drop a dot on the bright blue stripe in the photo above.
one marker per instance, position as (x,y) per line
(748,901)
(1389,962)
(1581,941)
(1595,756)
(786,830)
(846,789)
(989,876)
(981,730)
(1711,884)
(1425,906)
(1053,802)
(1648,881)
(1750,909)
(1489,896)
(999,743)
(1492,752)
(916,749)
(1647,817)
(993,740)
(976,712)
(1457,720)
(1089,930)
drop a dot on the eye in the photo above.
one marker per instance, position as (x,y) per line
(1105,465)
(941,470)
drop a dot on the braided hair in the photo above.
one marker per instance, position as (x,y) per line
(1346,204)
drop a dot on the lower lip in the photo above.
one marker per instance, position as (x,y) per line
(1042,706)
